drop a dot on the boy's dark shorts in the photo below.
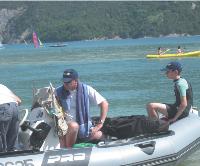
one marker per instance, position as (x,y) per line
(172,110)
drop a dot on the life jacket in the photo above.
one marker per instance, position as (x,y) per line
(189,96)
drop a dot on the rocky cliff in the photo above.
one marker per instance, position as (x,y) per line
(7,16)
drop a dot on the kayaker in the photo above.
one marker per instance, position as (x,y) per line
(179,50)
(9,122)
(75,98)
(183,94)
(160,52)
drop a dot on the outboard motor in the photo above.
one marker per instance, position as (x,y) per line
(42,123)
(38,135)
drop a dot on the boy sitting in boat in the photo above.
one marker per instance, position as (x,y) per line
(183,94)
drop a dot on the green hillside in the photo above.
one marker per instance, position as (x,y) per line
(66,21)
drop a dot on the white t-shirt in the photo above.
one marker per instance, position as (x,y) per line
(6,95)
(94,97)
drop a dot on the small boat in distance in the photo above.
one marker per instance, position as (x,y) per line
(25,42)
(40,43)
(1,46)
(36,41)
(58,45)
(176,55)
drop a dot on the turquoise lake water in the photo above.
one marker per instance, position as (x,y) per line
(117,69)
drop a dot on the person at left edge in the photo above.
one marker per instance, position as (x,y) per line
(9,122)
(75,98)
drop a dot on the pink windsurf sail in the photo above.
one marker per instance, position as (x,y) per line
(35,40)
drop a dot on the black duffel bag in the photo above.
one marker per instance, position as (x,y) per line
(130,126)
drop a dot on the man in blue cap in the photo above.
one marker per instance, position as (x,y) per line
(75,98)
(183,94)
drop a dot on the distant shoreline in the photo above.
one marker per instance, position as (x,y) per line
(116,38)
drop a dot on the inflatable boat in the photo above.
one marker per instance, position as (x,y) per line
(187,54)
(39,145)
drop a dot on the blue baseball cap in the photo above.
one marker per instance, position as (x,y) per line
(69,75)
(173,66)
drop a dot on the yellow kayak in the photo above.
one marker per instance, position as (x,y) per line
(187,54)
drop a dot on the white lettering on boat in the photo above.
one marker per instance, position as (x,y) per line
(66,157)
(28,162)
